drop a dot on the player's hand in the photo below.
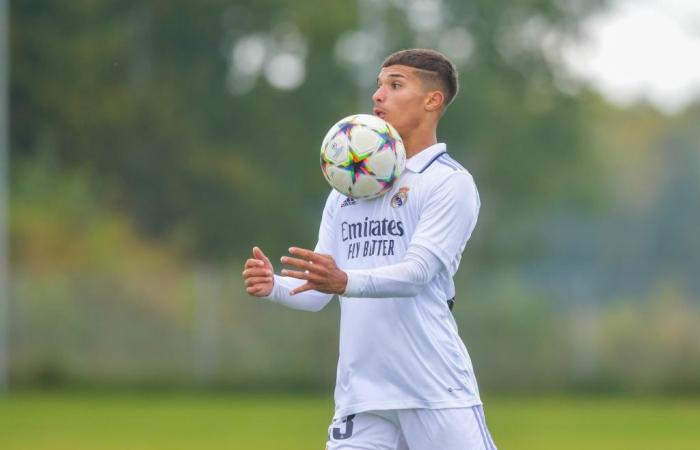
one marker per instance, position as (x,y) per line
(320,272)
(258,274)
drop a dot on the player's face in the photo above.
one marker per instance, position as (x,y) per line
(400,98)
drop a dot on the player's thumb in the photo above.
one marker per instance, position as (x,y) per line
(259,255)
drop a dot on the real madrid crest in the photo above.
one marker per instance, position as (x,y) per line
(400,198)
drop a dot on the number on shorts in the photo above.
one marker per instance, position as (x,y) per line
(339,435)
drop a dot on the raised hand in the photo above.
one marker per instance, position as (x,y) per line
(319,270)
(258,274)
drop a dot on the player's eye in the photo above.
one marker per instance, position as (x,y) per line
(395,85)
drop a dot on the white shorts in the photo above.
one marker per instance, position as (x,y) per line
(414,429)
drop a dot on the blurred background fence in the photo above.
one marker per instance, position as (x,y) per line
(152,144)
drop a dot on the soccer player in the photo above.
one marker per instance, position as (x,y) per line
(404,378)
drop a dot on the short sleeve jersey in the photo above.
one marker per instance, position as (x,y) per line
(398,353)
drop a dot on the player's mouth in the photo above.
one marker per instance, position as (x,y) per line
(379,113)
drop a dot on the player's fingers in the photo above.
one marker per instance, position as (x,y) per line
(317,258)
(329,261)
(254,290)
(325,257)
(253,281)
(296,274)
(296,262)
(257,253)
(257,272)
(303,288)
(305,253)
(321,266)
(316,279)
(253,263)
(308,276)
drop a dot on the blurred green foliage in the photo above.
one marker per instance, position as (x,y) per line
(135,95)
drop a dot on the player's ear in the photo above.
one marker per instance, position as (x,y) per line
(434,101)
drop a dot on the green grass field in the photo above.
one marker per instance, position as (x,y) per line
(77,421)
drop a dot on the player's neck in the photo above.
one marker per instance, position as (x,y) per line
(417,142)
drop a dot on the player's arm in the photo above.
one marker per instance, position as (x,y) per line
(445,226)
(404,279)
(260,281)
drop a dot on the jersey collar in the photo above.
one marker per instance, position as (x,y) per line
(423,159)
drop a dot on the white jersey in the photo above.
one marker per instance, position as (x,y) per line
(405,352)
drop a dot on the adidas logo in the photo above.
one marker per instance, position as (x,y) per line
(348,202)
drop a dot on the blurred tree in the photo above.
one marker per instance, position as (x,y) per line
(202,120)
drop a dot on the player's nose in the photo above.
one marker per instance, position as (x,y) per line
(378,96)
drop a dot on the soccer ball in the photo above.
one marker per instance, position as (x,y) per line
(362,156)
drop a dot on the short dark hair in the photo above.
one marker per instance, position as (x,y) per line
(432,66)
